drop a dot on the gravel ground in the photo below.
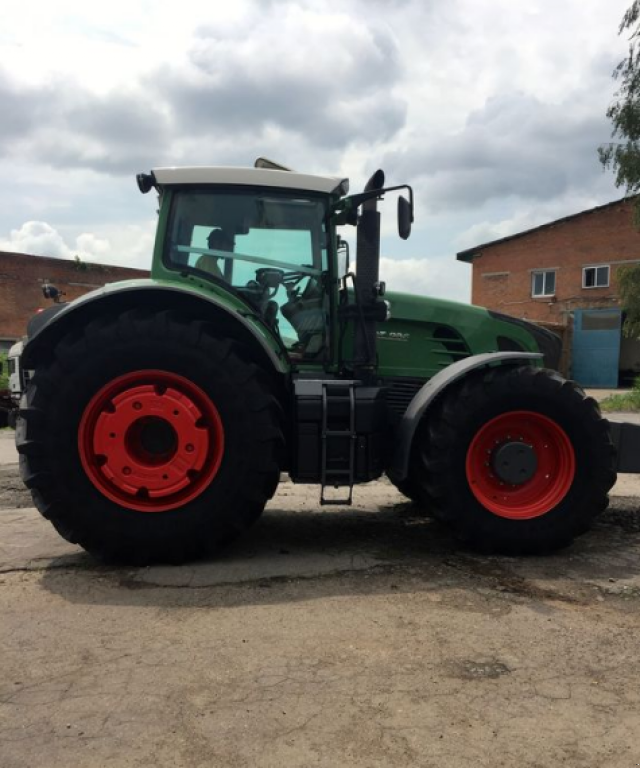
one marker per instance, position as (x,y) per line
(360,636)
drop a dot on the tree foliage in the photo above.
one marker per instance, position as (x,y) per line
(629,288)
(4,372)
(623,156)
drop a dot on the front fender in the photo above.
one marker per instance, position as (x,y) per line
(399,466)
(229,314)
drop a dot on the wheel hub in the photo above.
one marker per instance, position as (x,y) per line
(520,465)
(515,462)
(151,441)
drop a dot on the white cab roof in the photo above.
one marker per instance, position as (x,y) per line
(262,177)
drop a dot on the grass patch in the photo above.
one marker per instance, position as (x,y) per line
(628,401)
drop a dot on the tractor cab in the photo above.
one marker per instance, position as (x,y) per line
(267,246)
(262,234)
(268,236)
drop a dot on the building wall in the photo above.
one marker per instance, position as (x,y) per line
(501,277)
(22,277)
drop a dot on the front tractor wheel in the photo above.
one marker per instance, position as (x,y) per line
(516,460)
(145,438)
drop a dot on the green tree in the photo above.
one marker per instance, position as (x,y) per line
(4,373)
(623,156)
(629,288)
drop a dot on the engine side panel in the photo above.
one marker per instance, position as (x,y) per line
(426,335)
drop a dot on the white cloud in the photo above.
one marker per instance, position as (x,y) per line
(427,277)
(493,112)
(93,247)
(37,238)
(128,246)
(524,217)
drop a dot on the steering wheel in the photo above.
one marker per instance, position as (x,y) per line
(269,279)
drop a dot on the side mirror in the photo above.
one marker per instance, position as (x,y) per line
(51,292)
(145,182)
(405,217)
(343,257)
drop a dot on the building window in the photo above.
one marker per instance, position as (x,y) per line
(543,283)
(595,277)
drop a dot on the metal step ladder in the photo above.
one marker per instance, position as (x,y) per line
(338,439)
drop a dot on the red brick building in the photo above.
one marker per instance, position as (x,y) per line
(564,273)
(22,278)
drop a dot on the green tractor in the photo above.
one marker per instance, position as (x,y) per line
(159,414)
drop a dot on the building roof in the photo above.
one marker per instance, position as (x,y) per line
(78,264)
(468,254)
(262,177)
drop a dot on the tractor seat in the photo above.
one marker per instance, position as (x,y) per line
(209,264)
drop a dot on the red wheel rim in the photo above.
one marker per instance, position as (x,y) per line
(550,481)
(151,441)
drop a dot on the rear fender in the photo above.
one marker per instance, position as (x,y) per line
(120,297)
(399,466)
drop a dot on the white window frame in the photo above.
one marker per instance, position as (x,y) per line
(544,272)
(595,268)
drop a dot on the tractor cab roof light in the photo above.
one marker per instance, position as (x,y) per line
(145,182)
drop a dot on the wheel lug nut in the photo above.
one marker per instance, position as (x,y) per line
(126,470)
(189,448)
(137,406)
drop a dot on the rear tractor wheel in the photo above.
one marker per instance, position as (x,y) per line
(515,460)
(145,438)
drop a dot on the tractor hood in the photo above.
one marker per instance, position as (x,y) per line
(425,334)
(407,306)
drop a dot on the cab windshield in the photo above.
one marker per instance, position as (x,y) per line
(271,247)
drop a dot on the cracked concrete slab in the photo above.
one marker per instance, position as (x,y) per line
(28,542)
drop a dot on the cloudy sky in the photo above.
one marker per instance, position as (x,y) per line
(491,109)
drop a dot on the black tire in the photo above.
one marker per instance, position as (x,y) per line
(462,415)
(416,493)
(12,418)
(416,485)
(59,394)
(407,488)
(4,418)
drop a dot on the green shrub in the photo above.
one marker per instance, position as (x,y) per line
(627,401)
(4,375)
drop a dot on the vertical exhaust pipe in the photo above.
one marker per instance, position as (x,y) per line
(368,275)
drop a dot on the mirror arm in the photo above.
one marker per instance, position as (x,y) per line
(343,208)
